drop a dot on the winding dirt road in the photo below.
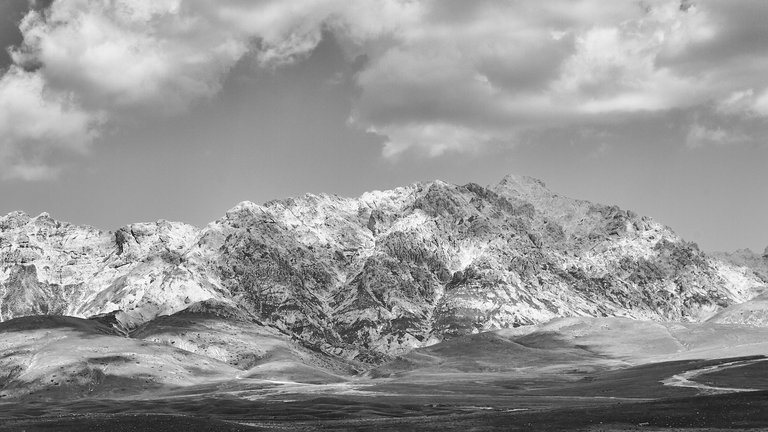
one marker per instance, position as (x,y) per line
(686,379)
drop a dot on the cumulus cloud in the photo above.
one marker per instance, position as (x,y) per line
(127,55)
(35,123)
(441,75)
(83,63)
(492,70)
(165,54)
(99,62)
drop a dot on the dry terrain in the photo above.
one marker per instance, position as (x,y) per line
(570,374)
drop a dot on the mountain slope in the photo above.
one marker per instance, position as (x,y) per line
(375,276)
(50,357)
(583,341)
(755,311)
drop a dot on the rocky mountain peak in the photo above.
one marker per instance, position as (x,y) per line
(522,186)
(143,239)
(13,220)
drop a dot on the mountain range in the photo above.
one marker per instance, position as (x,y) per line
(362,280)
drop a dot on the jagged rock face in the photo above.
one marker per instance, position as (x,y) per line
(374,276)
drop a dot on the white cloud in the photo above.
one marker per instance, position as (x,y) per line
(36,122)
(127,54)
(441,76)
(140,58)
(430,139)
(492,70)
(745,103)
(90,61)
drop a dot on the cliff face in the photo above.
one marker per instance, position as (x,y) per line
(369,277)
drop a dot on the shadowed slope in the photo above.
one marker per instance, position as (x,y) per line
(226,333)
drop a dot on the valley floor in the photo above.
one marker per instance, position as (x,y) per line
(640,398)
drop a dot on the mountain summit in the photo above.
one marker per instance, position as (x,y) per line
(375,276)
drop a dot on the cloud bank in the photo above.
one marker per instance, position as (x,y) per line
(441,76)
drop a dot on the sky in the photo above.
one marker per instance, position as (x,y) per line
(138,110)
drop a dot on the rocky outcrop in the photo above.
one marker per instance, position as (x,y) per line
(370,277)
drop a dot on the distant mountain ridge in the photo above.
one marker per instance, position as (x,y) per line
(375,276)
(757,262)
